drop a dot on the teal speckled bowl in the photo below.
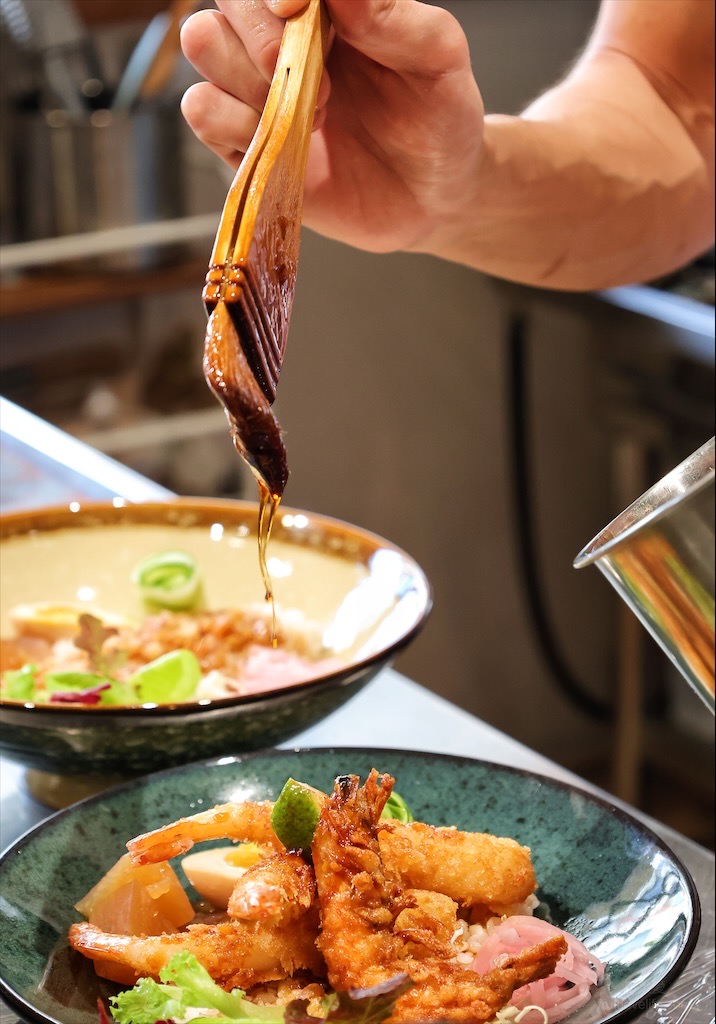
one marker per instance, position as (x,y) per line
(601,874)
(365,597)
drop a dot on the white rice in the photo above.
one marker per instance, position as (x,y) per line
(468,938)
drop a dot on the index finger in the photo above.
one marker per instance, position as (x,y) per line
(258,28)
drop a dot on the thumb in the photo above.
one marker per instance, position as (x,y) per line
(406,36)
(285,8)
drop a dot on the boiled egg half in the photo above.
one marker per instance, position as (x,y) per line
(214,873)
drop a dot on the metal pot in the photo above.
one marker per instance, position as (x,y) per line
(659,556)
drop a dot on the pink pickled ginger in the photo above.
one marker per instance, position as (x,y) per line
(566,989)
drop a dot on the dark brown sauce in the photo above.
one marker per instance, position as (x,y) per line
(254,429)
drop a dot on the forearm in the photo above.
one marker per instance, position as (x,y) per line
(600,182)
(606,179)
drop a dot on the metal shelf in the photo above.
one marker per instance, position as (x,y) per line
(36,277)
(20,256)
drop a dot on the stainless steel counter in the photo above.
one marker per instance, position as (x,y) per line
(39,464)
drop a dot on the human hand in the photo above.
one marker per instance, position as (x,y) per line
(397,138)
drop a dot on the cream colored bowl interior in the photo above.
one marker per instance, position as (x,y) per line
(359,605)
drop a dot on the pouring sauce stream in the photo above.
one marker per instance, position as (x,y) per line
(254,429)
(268,506)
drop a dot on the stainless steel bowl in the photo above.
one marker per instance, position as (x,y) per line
(659,556)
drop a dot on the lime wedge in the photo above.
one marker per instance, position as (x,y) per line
(397,809)
(295,815)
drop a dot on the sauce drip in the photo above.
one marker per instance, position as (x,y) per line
(254,428)
(268,506)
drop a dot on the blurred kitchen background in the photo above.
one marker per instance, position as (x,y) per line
(489,429)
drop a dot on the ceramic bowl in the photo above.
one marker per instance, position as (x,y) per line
(602,875)
(365,594)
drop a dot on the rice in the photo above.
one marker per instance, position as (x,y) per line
(469,938)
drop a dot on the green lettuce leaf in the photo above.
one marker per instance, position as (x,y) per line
(185,985)
(19,684)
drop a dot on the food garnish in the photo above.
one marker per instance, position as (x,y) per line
(89,694)
(91,637)
(19,684)
(296,813)
(170,579)
(185,985)
(298,808)
(172,677)
(396,807)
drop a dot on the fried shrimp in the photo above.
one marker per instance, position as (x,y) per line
(427,923)
(456,995)
(246,822)
(357,902)
(235,953)
(470,867)
(276,890)
(371,930)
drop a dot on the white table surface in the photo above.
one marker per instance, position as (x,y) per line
(391,712)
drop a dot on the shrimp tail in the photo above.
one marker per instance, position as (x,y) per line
(234,953)
(245,822)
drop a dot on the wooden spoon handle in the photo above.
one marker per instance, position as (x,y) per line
(286,119)
(251,280)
